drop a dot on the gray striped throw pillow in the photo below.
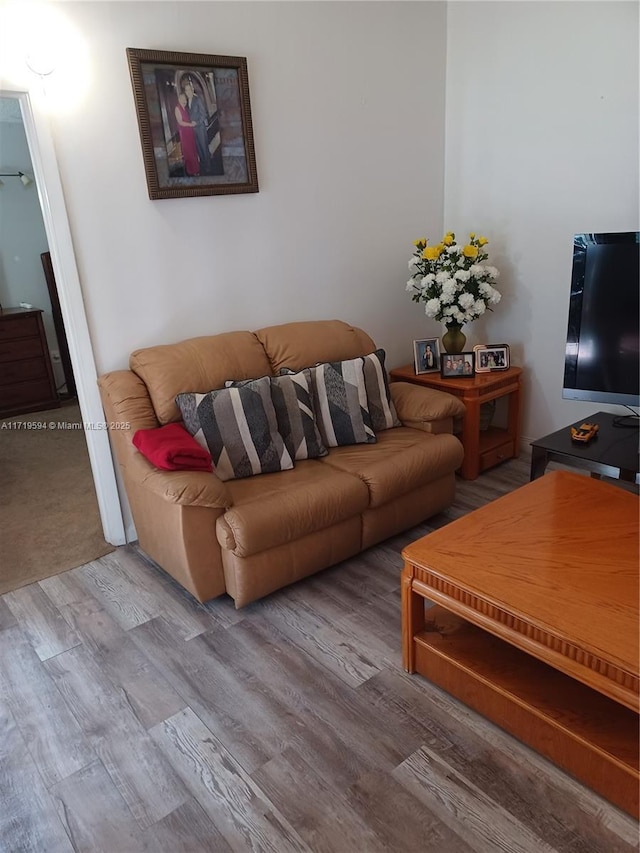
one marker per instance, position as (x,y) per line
(340,402)
(238,427)
(381,408)
(291,397)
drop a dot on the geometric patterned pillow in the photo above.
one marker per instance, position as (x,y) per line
(238,427)
(340,402)
(381,408)
(291,398)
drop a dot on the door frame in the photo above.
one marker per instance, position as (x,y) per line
(56,225)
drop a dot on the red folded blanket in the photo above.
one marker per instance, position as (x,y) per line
(171,447)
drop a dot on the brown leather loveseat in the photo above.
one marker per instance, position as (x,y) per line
(248,537)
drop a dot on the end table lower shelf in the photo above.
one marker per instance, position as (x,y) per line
(482,448)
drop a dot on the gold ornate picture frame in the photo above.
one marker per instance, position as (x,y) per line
(194,118)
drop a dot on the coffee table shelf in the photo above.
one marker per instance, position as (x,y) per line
(536,622)
(581,730)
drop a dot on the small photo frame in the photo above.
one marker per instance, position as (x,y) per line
(426,355)
(457,365)
(490,357)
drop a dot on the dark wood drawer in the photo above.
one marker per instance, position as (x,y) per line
(26,394)
(19,327)
(17,350)
(492,457)
(21,371)
(27,383)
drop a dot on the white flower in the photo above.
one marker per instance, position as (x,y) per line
(453,287)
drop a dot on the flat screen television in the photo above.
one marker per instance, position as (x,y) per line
(602,355)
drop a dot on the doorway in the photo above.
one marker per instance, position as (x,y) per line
(56,225)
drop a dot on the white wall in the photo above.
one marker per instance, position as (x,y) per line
(541,143)
(22,235)
(348,114)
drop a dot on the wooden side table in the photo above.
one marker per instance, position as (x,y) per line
(486,448)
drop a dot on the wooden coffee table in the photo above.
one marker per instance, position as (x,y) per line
(536,622)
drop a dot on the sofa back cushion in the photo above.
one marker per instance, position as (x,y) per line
(197,365)
(300,345)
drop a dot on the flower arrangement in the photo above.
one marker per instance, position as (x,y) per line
(452,280)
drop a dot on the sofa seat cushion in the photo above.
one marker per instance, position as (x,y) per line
(277,508)
(403,459)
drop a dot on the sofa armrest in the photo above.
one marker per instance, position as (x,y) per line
(425,408)
(128,408)
(126,402)
(188,488)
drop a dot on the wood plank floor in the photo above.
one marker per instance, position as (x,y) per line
(133,719)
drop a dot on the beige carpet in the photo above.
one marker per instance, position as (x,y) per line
(49,519)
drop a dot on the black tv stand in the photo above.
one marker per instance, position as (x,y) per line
(613,453)
(627,421)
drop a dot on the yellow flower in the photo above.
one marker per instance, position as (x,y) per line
(483,241)
(421,243)
(472,235)
(431,253)
(470,251)
(448,239)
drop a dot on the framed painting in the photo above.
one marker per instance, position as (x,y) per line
(194,118)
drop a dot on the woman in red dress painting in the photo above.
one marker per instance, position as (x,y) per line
(187,137)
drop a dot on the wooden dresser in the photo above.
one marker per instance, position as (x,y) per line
(26,377)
